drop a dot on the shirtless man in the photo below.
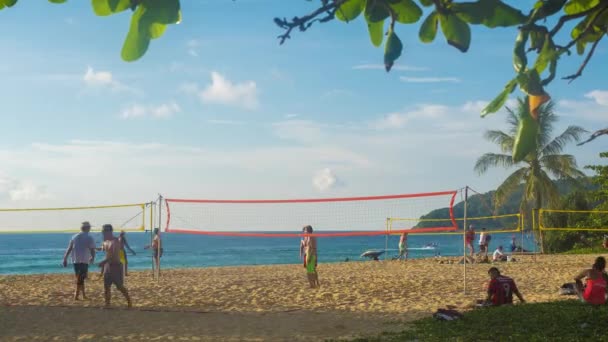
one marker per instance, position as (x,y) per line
(157,249)
(111,266)
(403,246)
(310,243)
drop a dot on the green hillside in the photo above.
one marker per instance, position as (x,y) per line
(480,205)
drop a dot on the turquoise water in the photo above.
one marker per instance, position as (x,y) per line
(43,253)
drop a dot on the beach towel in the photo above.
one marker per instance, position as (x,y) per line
(567,289)
(447,315)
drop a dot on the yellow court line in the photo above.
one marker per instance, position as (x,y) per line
(461,233)
(76,208)
(573,211)
(456,219)
(576,229)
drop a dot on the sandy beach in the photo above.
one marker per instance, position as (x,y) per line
(261,303)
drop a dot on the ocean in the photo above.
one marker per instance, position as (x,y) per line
(43,253)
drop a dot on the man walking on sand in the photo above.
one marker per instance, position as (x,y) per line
(82,251)
(111,266)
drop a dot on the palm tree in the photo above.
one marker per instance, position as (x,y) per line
(537,168)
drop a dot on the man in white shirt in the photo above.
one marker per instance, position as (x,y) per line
(499,255)
(483,249)
(82,251)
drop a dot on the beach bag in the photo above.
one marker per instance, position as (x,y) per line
(447,315)
(567,289)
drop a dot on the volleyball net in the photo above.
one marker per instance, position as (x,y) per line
(346,216)
(573,220)
(493,224)
(128,217)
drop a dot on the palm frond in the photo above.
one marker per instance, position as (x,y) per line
(561,166)
(512,120)
(548,190)
(490,160)
(509,186)
(571,134)
(546,120)
(500,138)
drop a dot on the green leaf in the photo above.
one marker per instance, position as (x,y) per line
(546,8)
(456,31)
(547,54)
(500,100)
(57,1)
(491,13)
(428,29)
(392,50)
(376,32)
(529,82)
(407,11)
(350,10)
(137,41)
(108,7)
(578,6)
(148,22)
(426,3)
(375,11)
(9,3)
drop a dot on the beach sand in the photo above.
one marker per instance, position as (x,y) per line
(262,303)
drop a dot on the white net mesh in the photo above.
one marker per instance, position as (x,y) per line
(127,217)
(343,214)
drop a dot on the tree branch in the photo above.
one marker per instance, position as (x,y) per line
(582,67)
(587,29)
(303,23)
(565,18)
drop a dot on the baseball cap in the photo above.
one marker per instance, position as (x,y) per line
(85,224)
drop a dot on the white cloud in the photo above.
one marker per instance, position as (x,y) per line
(599,96)
(397,67)
(223,91)
(92,77)
(162,111)
(298,130)
(21,190)
(400,119)
(225,122)
(429,79)
(193,46)
(588,110)
(105,79)
(324,179)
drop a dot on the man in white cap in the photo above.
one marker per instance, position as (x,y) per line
(82,251)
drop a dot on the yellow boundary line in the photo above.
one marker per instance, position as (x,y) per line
(569,229)
(456,219)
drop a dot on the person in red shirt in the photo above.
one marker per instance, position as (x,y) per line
(468,239)
(501,289)
(595,290)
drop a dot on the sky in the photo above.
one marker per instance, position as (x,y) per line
(218,109)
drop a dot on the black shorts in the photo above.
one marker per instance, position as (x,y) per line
(112,274)
(81,270)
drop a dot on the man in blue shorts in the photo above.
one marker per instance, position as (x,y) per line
(82,251)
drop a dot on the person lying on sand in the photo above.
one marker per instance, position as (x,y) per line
(311,258)
(82,251)
(111,266)
(501,289)
(595,290)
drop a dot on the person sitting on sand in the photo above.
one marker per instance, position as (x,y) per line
(111,266)
(468,239)
(311,258)
(499,255)
(501,289)
(123,252)
(403,247)
(82,250)
(595,290)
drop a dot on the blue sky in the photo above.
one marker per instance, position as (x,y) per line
(218,109)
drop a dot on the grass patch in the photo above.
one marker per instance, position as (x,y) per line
(587,250)
(562,321)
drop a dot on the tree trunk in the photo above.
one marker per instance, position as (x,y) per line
(539,203)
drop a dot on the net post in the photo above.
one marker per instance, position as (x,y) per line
(386,238)
(152,205)
(158,246)
(464,242)
(533,228)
